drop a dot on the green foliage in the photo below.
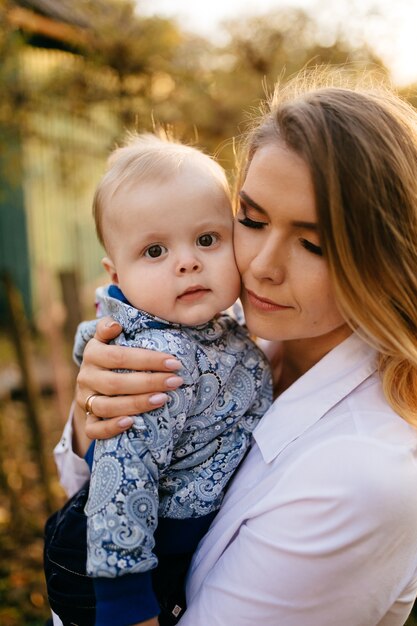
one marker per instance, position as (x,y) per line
(13,100)
(145,69)
(262,50)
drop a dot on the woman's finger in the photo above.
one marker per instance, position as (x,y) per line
(121,384)
(123,357)
(96,428)
(108,407)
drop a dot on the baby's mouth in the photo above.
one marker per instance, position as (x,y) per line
(193,293)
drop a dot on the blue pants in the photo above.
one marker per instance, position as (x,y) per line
(70,589)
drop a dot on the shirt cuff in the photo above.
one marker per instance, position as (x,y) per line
(73,470)
(125,600)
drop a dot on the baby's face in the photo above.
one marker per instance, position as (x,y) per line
(171,248)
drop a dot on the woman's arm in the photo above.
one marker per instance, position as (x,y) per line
(122,395)
(119,395)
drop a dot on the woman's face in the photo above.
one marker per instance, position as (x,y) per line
(286,293)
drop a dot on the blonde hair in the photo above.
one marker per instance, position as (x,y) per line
(360,144)
(146,157)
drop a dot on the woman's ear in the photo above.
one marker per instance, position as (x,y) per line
(110,269)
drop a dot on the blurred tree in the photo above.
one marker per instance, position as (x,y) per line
(146,68)
(13,94)
(124,57)
(263,49)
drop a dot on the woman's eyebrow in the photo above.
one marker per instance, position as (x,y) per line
(307,225)
(251,202)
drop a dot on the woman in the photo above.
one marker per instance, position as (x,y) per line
(319,526)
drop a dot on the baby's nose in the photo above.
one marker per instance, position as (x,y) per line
(190,264)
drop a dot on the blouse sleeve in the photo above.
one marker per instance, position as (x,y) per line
(73,470)
(336,546)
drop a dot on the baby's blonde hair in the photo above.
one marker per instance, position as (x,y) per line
(147,157)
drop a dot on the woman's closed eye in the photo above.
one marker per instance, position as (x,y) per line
(311,247)
(246,205)
(246,221)
(155,251)
(242,218)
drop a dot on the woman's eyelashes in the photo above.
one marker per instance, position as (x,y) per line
(246,221)
(311,247)
(242,218)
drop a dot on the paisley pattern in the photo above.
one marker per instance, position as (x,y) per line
(176,460)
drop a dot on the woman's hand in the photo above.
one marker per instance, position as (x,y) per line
(119,395)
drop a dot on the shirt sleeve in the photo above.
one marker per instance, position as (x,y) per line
(85,332)
(122,509)
(337,546)
(73,470)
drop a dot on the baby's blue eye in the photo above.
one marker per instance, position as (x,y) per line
(207,240)
(155,251)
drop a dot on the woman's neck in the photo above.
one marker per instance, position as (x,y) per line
(300,355)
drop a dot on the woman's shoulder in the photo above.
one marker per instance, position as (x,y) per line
(363,450)
(370,476)
(373,418)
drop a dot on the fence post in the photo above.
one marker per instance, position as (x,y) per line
(22,343)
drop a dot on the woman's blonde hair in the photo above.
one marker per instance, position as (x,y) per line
(360,144)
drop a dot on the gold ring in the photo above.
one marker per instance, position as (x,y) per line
(88,405)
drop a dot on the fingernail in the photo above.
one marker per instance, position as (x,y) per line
(125,421)
(174,381)
(158,398)
(172,364)
(110,324)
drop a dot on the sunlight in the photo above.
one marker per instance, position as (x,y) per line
(388,27)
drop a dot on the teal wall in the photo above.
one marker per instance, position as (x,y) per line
(14,253)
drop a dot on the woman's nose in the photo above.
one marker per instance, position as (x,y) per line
(269,264)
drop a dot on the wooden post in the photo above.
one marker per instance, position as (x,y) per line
(22,343)
(70,289)
(16,519)
(50,322)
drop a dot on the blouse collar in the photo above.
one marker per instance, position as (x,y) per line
(300,406)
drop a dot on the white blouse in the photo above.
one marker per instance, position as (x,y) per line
(319,525)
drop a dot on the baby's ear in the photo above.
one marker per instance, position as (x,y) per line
(110,269)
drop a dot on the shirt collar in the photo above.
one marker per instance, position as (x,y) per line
(111,301)
(299,407)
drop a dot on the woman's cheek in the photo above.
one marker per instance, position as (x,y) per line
(242,247)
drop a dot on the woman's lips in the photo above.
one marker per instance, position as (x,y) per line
(264,304)
(193,293)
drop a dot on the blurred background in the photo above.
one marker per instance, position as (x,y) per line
(74,76)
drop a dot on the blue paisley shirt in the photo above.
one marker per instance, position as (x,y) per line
(175,461)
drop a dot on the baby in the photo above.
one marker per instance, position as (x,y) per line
(163,213)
